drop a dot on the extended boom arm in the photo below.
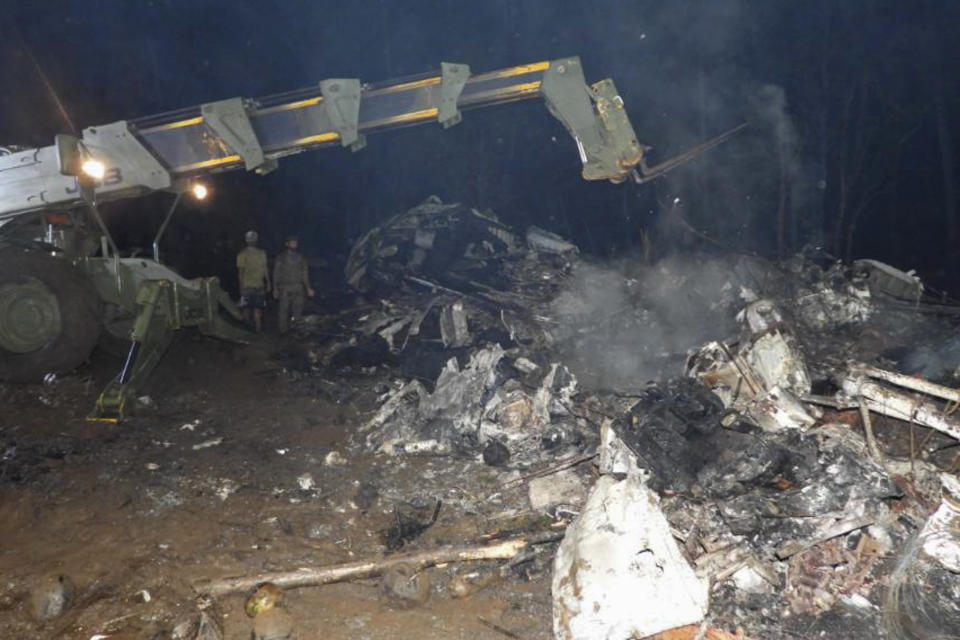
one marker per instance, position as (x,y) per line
(168,150)
(145,301)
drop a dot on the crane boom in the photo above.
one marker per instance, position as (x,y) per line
(164,151)
(54,309)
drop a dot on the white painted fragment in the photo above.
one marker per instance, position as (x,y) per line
(306,482)
(615,456)
(226,488)
(334,459)
(618,573)
(206,444)
(941,534)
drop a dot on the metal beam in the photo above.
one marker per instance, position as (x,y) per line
(341,100)
(229,120)
(453,79)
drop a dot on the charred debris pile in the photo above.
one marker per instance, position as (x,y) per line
(767,443)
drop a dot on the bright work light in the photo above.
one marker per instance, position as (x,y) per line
(199,191)
(93,168)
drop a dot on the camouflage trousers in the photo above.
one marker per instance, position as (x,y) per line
(291,307)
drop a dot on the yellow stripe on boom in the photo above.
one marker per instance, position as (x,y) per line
(175,125)
(206,164)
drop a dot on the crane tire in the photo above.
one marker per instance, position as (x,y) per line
(73,299)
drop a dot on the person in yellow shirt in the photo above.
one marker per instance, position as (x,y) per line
(254,278)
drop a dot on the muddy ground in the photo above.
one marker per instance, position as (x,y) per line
(242,462)
(209,483)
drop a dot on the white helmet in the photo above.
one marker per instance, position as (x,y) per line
(250,236)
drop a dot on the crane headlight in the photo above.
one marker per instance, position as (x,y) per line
(93,169)
(199,191)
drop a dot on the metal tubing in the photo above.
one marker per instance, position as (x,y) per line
(908,382)
(163,228)
(889,402)
(128,365)
(92,204)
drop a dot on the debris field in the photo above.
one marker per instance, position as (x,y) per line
(489,435)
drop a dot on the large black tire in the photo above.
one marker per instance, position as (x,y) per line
(79,312)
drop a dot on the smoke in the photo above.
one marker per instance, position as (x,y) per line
(754,192)
(625,324)
(695,70)
(770,105)
(794,185)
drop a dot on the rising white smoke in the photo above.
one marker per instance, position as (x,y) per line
(624,324)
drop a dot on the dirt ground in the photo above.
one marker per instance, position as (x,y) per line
(236,466)
(209,482)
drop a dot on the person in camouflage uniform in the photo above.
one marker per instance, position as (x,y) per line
(254,279)
(291,281)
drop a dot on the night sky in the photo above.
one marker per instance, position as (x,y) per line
(853,111)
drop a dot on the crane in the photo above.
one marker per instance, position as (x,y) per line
(63,282)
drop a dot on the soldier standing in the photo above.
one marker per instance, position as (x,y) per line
(254,278)
(291,280)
